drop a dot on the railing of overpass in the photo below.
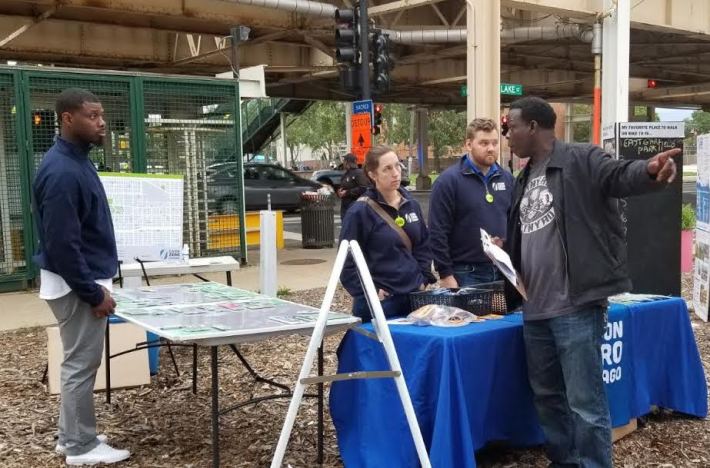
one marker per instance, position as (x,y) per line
(155,124)
(258,114)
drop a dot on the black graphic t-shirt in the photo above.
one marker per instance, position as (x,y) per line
(543,258)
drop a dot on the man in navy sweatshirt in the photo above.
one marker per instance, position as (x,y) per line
(77,257)
(472,194)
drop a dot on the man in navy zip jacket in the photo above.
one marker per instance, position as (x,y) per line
(475,193)
(396,271)
(77,257)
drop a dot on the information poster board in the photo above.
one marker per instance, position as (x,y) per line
(146,210)
(702,183)
(701,283)
(609,139)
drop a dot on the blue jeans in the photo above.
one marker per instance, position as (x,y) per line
(475,273)
(393,306)
(565,372)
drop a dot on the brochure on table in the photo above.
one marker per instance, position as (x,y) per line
(202,311)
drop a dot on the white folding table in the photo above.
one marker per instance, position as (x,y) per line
(212,314)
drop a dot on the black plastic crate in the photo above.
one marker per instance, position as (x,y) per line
(475,300)
(498,304)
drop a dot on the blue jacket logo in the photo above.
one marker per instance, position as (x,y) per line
(169,253)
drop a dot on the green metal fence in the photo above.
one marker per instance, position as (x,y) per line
(155,124)
(190,130)
(13,196)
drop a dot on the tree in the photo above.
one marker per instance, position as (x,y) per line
(296,136)
(581,129)
(397,120)
(446,129)
(321,126)
(698,123)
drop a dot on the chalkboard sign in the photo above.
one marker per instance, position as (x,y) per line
(652,221)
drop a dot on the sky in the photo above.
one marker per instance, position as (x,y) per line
(673,115)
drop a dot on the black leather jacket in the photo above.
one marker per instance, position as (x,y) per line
(355,183)
(585,183)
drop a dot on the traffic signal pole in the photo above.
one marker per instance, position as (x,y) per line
(364,38)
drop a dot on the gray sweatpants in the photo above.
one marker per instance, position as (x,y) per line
(82,335)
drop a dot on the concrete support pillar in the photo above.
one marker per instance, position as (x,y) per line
(483,59)
(615,62)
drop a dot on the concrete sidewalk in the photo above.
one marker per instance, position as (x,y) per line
(297,269)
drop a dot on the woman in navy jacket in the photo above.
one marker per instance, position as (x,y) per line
(396,271)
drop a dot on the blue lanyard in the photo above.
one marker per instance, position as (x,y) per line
(491,172)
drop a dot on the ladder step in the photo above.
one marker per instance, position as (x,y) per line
(367,333)
(351,376)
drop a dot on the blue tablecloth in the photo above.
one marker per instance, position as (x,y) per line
(469,384)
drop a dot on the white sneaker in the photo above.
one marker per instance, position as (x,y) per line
(102,453)
(60,449)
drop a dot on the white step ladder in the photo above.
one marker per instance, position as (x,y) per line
(382,332)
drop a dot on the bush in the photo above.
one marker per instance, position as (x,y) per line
(687,217)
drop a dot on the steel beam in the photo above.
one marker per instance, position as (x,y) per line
(398,6)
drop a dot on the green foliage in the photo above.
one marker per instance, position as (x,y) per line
(446,128)
(582,132)
(698,123)
(398,119)
(321,126)
(283,291)
(582,109)
(581,129)
(687,217)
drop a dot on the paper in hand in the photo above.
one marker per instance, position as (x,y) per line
(502,261)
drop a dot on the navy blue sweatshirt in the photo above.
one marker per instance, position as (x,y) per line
(393,268)
(76,237)
(458,209)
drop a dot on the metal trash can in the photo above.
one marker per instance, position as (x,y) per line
(317,221)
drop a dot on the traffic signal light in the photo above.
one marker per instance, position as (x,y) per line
(504,125)
(43,130)
(346,46)
(377,120)
(381,60)
(346,35)
(651,84)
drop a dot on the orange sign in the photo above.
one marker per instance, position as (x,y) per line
(361,131)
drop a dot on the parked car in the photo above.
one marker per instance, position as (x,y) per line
(260,180)
(332,176)
(328,177)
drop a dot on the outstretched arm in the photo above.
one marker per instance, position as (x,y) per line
(619,178)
